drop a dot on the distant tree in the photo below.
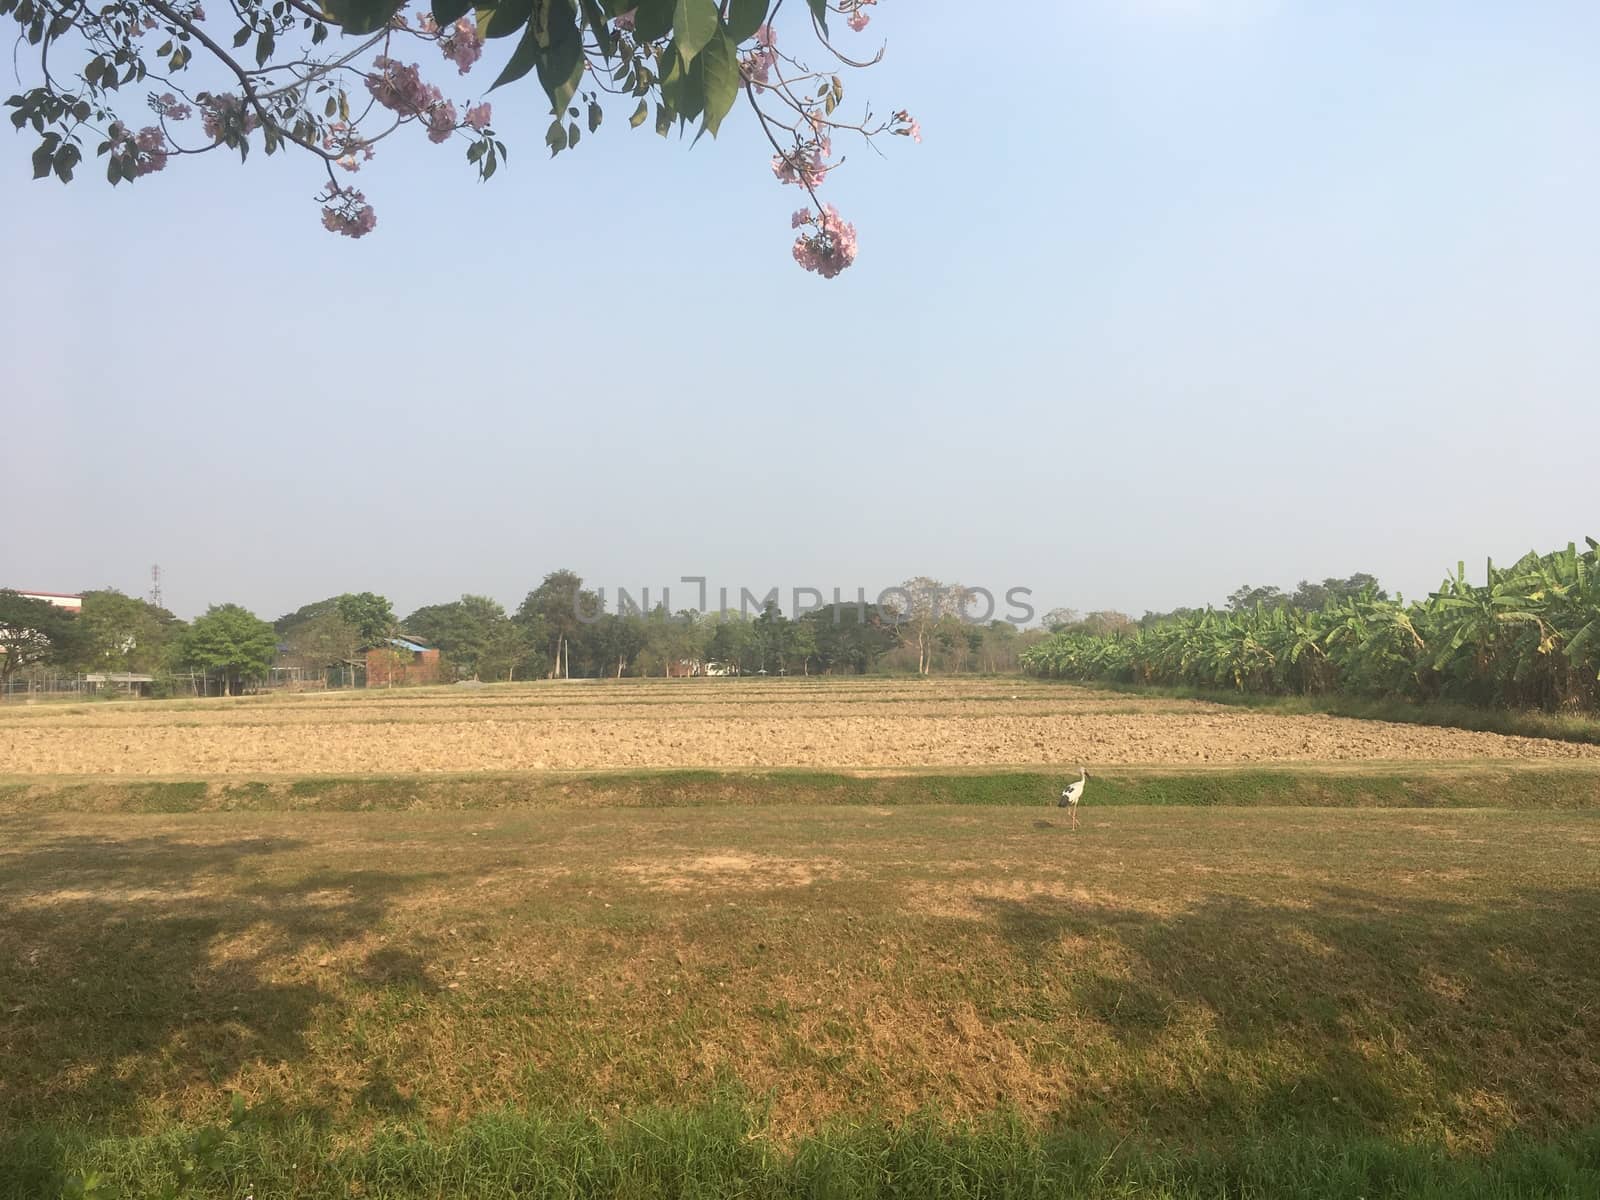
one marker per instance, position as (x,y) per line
(917,610)
(1058,619)
(305,613)
(232,643)
(1314,597)
(507,653)
(1245,598)
(1107,622)
(802,647)
(322,641)
(770,635)
(370,613)
(549,616)
(1158,618)
(33,632)
(616,642)
(998,647)
(849,637)
(464,630)
(124,633)
(733,643)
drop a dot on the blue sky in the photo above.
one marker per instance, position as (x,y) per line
(1176,294)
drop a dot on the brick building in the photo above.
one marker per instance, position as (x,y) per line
(400,661)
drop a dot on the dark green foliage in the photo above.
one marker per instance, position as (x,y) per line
(231,643)
(33,632)
(1529,637)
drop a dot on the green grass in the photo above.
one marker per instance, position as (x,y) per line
(1513,722)
(1363,785)
(845,999)
(722,1150)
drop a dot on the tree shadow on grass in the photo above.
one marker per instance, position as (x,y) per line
(134,968)
(1344,1009)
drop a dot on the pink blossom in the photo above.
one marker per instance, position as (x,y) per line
(426,23)
(168,106)
(197,13)
(225,115)
(909,126)
(624,21)
(858,20)
(801,217)
(757,65)
(478,116)
(400,87)
(463,45)
(441,121)
(804,165)
(150,143)
(766,38)
(352,216)
(831,248)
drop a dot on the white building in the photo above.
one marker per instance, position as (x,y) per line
(72,603)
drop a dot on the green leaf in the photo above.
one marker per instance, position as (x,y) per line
(600,28)
(523,59)
(694,24)
(652,19)
(819,10)
(561,66)
(448,12)
(596,115)
(504,19)
(745,17)
(556,137)
(719,67)
(363,16)
(639,115)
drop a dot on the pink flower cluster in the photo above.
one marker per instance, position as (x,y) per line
(145,151)
(463,45)
(151,145)
(168,106)
(441,121)
(830,248)
(353,150)
(805,165)
(223,115)
(400,89)
(348,213)
(478,116)
(624,21)
(757,65)
(859,18)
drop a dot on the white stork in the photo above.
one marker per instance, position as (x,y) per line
(1072,793)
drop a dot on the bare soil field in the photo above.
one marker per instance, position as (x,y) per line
(845,725)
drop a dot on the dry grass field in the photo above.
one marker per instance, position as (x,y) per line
(869,982)
(725,724)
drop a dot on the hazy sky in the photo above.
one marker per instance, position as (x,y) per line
(1176,294)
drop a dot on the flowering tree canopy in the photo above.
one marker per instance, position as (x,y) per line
(334,78)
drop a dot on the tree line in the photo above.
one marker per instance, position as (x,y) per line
(1527,637)
(558,630)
